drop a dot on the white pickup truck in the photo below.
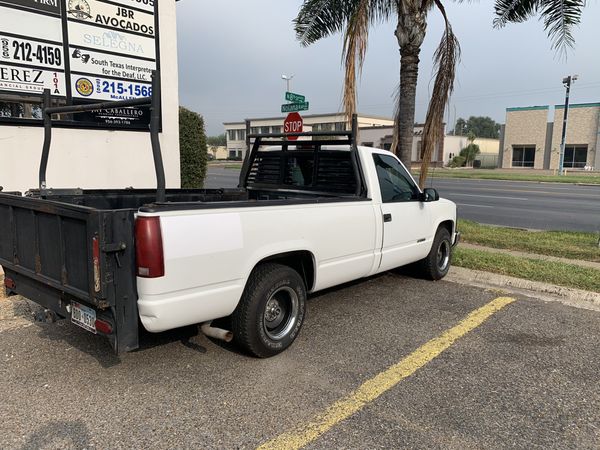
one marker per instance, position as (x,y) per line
(308,215)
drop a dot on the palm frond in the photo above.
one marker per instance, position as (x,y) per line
(560,16)
(513,11)
(318,19)
(353,54)
(446,58)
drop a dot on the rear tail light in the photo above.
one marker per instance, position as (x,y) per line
(148,248)
(96,259)
(103,326)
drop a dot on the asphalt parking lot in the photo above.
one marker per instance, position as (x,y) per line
(526,377)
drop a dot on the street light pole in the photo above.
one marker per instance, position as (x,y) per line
(567,83)
(287,80)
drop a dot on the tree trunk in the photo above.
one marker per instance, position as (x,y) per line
(405,119)
(410,33)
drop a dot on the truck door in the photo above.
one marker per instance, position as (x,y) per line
(407,227)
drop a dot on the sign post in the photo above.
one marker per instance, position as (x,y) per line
(293,123)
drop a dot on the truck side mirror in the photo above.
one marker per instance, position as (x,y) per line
(429,195)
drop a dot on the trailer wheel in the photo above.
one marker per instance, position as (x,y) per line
(436,264)
(271,311)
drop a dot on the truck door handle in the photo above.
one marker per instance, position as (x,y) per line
(387,217)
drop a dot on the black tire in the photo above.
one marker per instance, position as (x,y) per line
(271,311)
(436,264)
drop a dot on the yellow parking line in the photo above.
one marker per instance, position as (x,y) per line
(373,388)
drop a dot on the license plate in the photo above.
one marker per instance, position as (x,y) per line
(83,316)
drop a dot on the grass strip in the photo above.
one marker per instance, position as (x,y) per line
(530,269)
(491,175)
(562,244)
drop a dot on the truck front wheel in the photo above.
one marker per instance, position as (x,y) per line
(271,310)
(436,264)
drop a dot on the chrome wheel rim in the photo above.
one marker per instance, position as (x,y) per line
(443,255)
(281,313)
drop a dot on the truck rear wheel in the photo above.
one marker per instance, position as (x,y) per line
(271,310)
(436,264)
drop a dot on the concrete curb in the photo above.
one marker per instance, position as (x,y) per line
(543,291)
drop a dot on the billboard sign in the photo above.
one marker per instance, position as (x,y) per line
(82,50)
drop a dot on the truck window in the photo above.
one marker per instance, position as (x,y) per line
(394,182)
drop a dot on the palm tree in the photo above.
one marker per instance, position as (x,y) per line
(318,19)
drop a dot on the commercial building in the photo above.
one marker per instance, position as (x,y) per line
(374,131)
(236,131)
(531,137)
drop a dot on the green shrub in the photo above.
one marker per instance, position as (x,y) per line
(458,161)
(192,149)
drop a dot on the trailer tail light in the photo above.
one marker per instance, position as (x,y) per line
(96,261)
(10,283)
(148,248)
(103,326)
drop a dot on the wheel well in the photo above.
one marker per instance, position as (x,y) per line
(302,261)
(448,225)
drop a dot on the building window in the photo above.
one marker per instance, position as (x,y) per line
(575,156)
(523,156)
(264,130)
(254,130)
(231,135)
(340,126)
(276,130)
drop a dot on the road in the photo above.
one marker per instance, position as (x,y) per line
(543,206)
(527,377)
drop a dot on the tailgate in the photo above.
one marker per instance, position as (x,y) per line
(58,254)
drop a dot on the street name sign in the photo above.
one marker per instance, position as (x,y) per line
(293,107)
(294,98)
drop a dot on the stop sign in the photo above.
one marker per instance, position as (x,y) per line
(293,123)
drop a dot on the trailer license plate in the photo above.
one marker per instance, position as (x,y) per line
(83,316)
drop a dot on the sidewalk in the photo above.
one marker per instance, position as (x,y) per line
(575,262)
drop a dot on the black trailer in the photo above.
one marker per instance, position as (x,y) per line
(73,250)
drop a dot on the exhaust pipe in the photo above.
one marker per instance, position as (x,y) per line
(216,333)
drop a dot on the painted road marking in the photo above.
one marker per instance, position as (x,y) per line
(476,206)
(373,388)
(488,196)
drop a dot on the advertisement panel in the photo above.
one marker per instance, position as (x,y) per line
(83,51)
(30,25)
(31,81)
(144,5)
(113,16)
(48,6)
(106,89)
(108,65)
(103,40)
(25,51)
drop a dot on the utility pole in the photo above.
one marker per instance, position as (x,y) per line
(567,83)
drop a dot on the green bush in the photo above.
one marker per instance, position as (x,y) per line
(458,161)
(192,149)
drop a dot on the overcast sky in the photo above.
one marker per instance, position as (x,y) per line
(232,54)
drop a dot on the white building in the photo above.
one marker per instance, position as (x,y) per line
(80,156)
(381,137)
(236,131)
